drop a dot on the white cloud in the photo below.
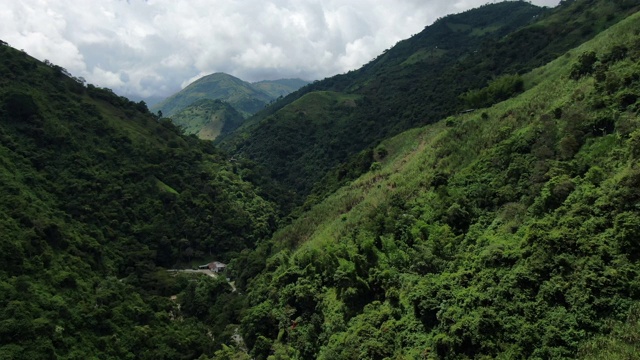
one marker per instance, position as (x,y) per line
(152,47)
(107,78)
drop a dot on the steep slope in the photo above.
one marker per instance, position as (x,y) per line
(418,81)
(510,232)
(207,119)
(97,197)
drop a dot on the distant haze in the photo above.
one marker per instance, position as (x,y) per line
(155,47)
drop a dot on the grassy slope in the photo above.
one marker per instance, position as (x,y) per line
(510,232)
(208,119)
(277,88)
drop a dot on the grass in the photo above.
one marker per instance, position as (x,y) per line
(485,30)
(205,124)
(136,128)
(424,55)
(162,187)
(213,129)
(317,102)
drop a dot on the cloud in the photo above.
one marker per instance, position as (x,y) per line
(153,47)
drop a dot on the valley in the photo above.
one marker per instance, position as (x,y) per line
(471,193)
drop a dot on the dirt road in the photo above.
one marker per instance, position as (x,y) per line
(202,271)
(199,271)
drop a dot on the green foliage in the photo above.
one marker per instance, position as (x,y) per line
(97,197)
(621,341)
(284,148)
(508,235)
(498,90)
(231,353)
(20,107)
(584,66)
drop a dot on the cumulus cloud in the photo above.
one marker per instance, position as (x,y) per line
(153,47)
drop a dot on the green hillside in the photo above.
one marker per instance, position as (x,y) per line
(278,88)
(245,97)
(97,199)
(471,193)
(219,86)
(509,232)
(207,119)
(419,81)
(210,106)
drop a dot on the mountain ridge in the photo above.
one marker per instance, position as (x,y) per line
(383,108)
(247,98)
(397,95)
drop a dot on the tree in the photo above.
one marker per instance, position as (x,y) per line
(584,66)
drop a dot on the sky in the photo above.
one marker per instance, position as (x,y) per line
(156,47)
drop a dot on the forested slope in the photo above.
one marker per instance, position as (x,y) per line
(97,197)
(418,81)
(509,232)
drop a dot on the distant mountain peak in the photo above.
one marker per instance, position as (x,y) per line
(217,103)
(247,98)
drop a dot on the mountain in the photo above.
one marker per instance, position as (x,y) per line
(219,86)
(208,118)
(98,197)
(245,97)
(199,110)
(507,232)
(419,81)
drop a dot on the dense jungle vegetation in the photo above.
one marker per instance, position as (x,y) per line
(509,232)
(426,231)
(98,197)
